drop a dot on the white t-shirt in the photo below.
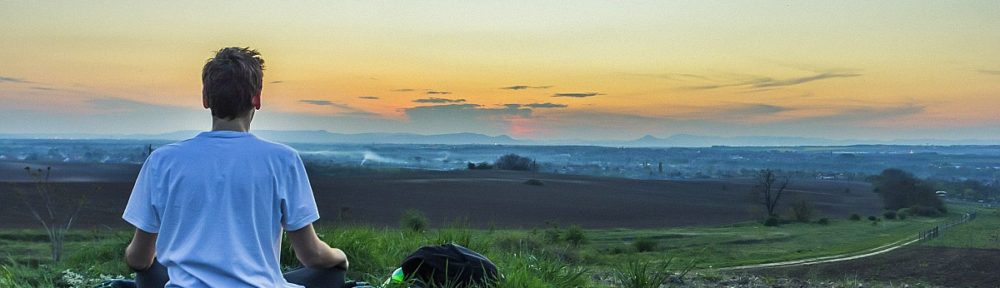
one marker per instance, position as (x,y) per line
(219,202)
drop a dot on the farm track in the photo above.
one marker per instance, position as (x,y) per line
(829,259)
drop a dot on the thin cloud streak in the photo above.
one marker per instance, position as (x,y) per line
(317,102)
(670,76)
(347,109)
(433,92)
(438,100)
(523,87)
(577,95)
(13,80)
(536,105)
(768,82)
(368,97)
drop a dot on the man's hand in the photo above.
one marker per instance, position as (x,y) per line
(315,253)
(140,253)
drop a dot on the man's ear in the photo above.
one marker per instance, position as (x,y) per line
(204,101)
(255,101)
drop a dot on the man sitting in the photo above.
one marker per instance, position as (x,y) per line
(209,211)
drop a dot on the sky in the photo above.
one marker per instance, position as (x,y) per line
(539,70)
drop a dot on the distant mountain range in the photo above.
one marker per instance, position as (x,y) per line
(679,140)
(686,140)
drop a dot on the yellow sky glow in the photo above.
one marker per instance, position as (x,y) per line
(696,65)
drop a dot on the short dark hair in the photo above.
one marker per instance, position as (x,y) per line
(230,79)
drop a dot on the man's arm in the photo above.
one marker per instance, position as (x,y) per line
(315,253)
(140,253)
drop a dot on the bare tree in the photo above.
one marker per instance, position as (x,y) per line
(768,192)
(46,213)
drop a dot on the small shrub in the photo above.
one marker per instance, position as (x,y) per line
(802,211)
(901,216)
(518,243)
(926,211)
(617,250)
(514,162)
(534,182)
(575,236)
(823,221)
(902,211)
(479,166)
(635,274)
(855,217)
(889,215)
(644,244)
(553,234)
(562,253)
(875,220)
(413,220)
(540,272)
(772,221)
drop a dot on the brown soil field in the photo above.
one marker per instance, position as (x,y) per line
(494,198)
(946,267)
(13,171)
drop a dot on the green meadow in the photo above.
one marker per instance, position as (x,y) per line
(556,256)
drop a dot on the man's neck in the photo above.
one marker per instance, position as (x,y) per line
(239,124)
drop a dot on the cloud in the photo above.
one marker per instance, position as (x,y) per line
(990,72)
(465,117)
(43,88)
(277,82)
(13,80)
(867,114)
(404,90)
(318,102)
(120,104)
(729,113)
(438,100)
(713,86)
(536,105)
(670,76)
(523,87)
(345,110)
(368,97)
(754,109)
(448,112)
(433,92)
(577,95)
(768,82)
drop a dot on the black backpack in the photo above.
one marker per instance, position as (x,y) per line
(449,264)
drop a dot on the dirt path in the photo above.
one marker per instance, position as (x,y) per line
(832,258)
(849,256)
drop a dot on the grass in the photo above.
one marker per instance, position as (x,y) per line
(528,258)
(981,233)
(753,243)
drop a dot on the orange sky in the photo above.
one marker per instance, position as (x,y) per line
(597,70)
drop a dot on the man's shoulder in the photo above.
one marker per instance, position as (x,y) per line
(275,147)
(166,150)
(259,147)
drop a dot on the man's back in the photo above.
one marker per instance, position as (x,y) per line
(219,202)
